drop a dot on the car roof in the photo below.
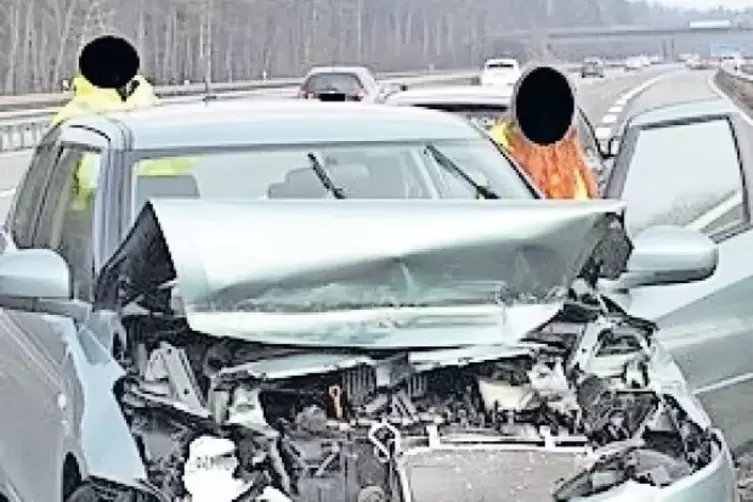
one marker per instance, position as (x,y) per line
(466,94)
(502,60)
(316,70)
(685,110)
(249,123)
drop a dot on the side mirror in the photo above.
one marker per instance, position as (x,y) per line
(402,87)
(34,274)
(668,255)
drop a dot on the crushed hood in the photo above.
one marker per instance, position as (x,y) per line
(355,273)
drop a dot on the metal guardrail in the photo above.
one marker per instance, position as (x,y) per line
(24,119)
(21,129)
(51,100)
(737,83)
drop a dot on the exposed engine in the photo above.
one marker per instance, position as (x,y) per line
(579,407)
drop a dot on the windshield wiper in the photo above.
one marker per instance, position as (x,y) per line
(446,163)
(321,173)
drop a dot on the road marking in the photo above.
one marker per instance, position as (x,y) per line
(613,114)
(716,212)
(726,205)
(710,82)
(18,153)
(603,132)
(4,194)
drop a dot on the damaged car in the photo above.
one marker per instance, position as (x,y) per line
(215,347)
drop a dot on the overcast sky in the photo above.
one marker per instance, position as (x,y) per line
(703,4)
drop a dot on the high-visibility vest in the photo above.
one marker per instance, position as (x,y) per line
(87,175)
(89,100)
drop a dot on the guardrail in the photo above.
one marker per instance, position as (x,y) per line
(737,83)
(21,129)
(51,100)
(24,119)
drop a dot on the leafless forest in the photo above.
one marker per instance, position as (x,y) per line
(39,39)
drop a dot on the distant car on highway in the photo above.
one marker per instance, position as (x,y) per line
(500,72)
(340,83)
(486,106)
(635,63)
(211,335)
(592,67)
(698,63)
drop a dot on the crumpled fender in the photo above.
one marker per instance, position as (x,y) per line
(108,450)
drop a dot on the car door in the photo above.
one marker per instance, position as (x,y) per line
(39,376)
(25,380)
(694,172)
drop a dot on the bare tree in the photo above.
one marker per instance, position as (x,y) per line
(225,40)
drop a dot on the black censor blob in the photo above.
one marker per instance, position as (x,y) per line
(544,105)
(109,62)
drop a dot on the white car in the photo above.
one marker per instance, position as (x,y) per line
(500,72)
(634,63)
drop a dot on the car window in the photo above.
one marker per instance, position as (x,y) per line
(501,66)
(346,83)
(686,174)
(366,171)
(22,216)
(66,218)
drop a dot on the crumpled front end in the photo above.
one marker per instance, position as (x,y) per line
(581,405)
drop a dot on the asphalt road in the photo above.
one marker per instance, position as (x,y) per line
(597,97)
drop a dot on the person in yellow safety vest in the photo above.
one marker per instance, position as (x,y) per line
(560,170)
(89,99)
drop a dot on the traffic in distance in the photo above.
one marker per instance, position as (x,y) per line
(307,299)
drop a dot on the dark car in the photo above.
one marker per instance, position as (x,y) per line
(340,83)
(592,67)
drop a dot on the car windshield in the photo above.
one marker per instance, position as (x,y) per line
(400,170)
(346,83)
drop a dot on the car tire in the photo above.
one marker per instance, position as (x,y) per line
(84,493)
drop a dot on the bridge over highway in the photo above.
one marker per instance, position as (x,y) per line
(668,41)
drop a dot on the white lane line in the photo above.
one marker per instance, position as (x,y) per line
(603,132)
(613,114)
(716,212)
(736,199)
(4,194)
(18,153)
(710,82)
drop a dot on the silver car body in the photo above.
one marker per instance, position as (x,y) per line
(68,356)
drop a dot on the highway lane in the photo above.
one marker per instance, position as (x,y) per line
(596,96)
